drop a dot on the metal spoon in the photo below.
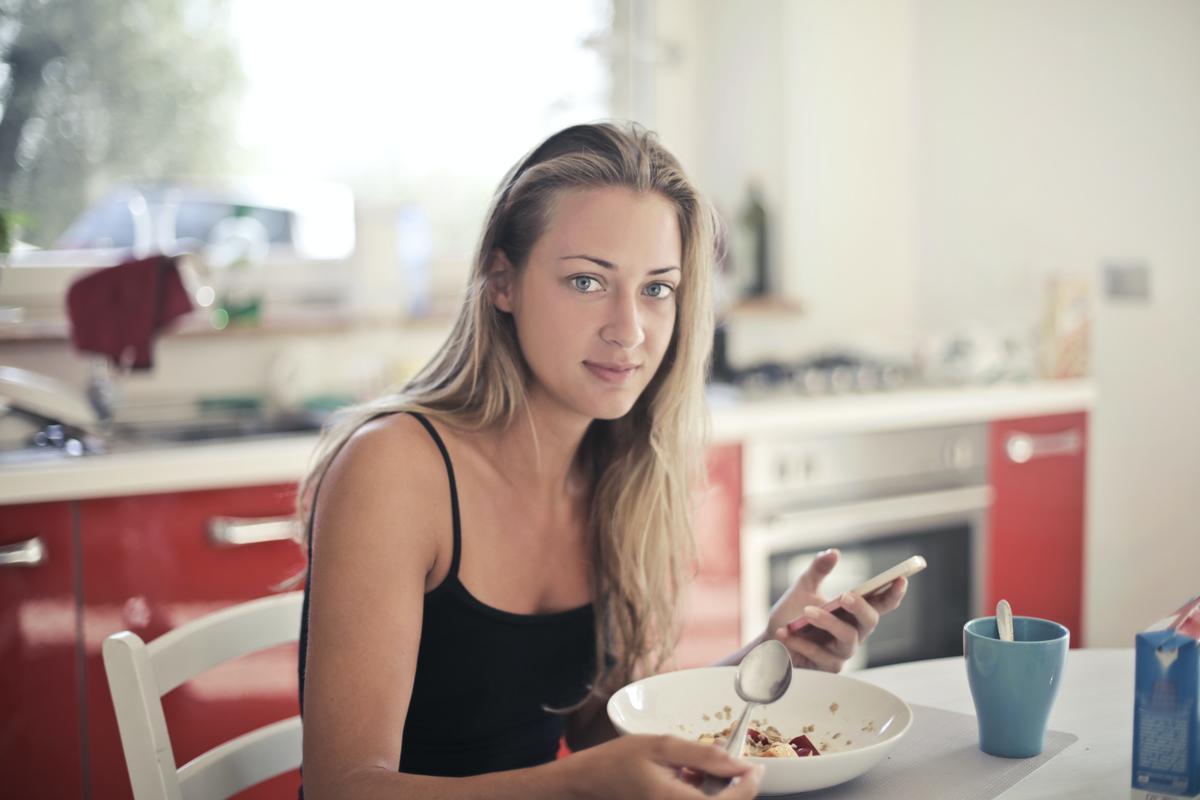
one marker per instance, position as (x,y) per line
(1004,622)
(762,678)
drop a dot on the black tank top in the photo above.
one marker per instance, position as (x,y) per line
(484,676)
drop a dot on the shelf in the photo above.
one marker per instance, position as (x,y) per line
(289,321)
(762,306)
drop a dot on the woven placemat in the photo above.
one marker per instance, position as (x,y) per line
(940,758)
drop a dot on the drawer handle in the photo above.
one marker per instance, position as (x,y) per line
(1022,448)
(29,553)
(235,532)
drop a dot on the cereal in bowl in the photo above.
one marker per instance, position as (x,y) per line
(767,743)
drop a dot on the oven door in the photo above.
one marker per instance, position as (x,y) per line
(946,527)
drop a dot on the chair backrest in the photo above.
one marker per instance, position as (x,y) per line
(139,674)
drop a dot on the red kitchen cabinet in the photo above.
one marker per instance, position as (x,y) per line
(40,742)
(149,565)
(712,607)
(1038,470)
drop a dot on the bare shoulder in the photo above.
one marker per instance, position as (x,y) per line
(386,488)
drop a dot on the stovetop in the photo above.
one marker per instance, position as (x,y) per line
(820,376)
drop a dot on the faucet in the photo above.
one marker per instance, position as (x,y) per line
(64,419)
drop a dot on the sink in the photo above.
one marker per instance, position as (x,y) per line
(31,456)
(225,428)
(125,437)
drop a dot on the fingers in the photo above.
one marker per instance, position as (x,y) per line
(808,653)
(673,751)
(746,787)
(890,599)
(690,776)
(866,618)
(822,565)
(844,635)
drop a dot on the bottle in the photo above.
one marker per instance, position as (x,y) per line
(752,222)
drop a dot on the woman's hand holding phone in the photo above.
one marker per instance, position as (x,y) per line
(877,584)
(824,635)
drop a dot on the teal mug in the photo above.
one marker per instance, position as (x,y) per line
(1014,683)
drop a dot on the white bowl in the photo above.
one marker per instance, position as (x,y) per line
(856,723)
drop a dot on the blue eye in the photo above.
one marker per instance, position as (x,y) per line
(665,290)
(580,283)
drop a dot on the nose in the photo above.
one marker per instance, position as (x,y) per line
(624,325)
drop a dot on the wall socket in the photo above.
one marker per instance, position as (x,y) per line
(1127,281)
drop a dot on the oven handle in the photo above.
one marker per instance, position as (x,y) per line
(1021,448)
(868,519)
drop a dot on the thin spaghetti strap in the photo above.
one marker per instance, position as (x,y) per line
(453,491)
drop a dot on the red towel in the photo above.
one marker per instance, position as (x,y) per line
(117,311)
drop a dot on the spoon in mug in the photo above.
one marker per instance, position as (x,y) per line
(1004,621)
(762,678)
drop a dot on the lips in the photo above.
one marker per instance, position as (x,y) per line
(611,372)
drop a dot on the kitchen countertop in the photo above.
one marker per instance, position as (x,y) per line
(737,420)
(169,468)
(283,458)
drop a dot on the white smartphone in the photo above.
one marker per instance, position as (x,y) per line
(884,579)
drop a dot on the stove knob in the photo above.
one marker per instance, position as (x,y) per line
(842,379)
(799,468)
(866,379)
(813,381)
(783,469)
(958,453)
(891,377)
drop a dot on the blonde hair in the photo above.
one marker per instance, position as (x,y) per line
(643,467)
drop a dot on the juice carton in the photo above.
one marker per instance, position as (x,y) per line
(1166,712)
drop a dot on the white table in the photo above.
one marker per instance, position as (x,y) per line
(1095,703)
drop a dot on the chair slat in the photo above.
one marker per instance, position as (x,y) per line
(210,641)
(242,762)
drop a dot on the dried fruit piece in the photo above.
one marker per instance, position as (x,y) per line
(804,746)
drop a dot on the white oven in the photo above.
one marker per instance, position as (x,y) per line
(879,497)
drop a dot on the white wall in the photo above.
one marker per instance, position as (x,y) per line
(1054,137)
(848,168)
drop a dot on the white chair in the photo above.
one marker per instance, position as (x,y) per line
(139,674)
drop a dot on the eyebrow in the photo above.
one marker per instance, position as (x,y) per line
(609,265)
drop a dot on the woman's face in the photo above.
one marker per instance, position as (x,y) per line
(594,306)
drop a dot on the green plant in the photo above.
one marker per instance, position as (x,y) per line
(11,223)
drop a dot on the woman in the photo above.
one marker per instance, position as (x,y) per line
(487,568)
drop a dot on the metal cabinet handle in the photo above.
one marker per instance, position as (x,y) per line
(29,553)
(1022,448)
(235,532)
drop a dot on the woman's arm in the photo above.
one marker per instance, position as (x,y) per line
(375,543)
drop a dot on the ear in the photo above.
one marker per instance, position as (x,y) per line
(502,280)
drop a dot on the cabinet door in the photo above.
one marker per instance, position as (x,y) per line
(1038,472)
(150,565)
(40,752)
(712,604)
